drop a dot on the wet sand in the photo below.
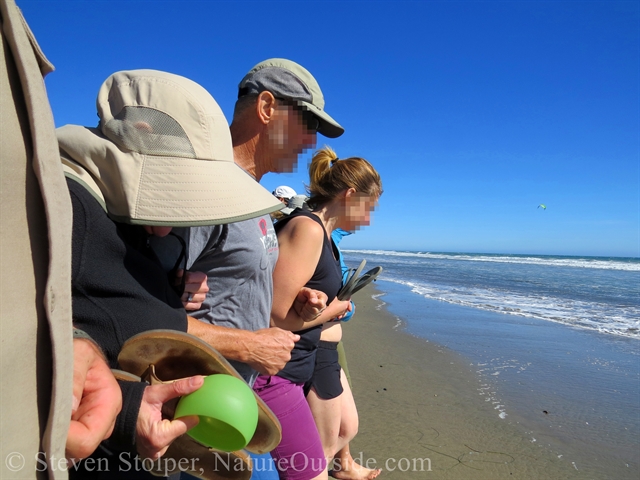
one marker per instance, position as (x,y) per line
(421,412)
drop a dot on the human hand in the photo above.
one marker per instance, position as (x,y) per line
(153,433)
(339,308)
(347,316)
(349,309)
(195,289)
(97,400)
(309,303)
(271,349)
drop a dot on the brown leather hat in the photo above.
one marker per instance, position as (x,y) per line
(203,462)
(168,355)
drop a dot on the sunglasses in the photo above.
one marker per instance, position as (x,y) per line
(309,120)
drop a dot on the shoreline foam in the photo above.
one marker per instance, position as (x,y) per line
(422,402)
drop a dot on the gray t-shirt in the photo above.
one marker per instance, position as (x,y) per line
(238,259)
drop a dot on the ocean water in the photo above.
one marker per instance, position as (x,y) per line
(595,293)
(555,342)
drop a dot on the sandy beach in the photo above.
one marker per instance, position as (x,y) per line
(421,411)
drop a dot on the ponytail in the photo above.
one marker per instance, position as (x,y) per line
(330,176)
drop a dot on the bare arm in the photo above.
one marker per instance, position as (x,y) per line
(266,350)
(300,243)
(335,309)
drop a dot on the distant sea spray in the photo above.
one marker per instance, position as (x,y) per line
(596,293)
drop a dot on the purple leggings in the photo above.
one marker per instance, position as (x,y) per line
(299,456)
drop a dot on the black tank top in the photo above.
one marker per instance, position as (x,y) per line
(328,279)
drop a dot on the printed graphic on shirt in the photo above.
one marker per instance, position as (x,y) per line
(269,238)
(263,226)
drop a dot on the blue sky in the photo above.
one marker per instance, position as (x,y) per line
(473,112)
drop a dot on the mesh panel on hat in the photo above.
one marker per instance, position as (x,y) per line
(148,131)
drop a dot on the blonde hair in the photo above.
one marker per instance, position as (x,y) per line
(330,176)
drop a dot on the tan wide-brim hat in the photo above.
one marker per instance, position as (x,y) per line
(168,355)
(162,155)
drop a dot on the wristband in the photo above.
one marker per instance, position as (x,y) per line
(81,334)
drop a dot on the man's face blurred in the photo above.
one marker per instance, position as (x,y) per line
(291,133)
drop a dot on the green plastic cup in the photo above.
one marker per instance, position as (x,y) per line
(228,413)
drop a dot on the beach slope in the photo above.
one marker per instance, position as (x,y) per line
(422,410)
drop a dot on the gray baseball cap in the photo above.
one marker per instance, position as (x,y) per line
(290,81)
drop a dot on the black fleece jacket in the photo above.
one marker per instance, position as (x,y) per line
(119,290)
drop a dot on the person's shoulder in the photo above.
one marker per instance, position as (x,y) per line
(201,229)
(82,201)
(203,240)
(75,188)
(304,228)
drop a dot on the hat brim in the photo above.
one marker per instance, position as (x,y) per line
(176,191)
(328,126)
(204,462)
(176,355)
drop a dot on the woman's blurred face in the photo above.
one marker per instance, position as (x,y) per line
(358,208)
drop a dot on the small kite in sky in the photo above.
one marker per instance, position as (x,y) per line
(542,206)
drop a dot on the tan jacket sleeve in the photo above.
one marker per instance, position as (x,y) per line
(35,259)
